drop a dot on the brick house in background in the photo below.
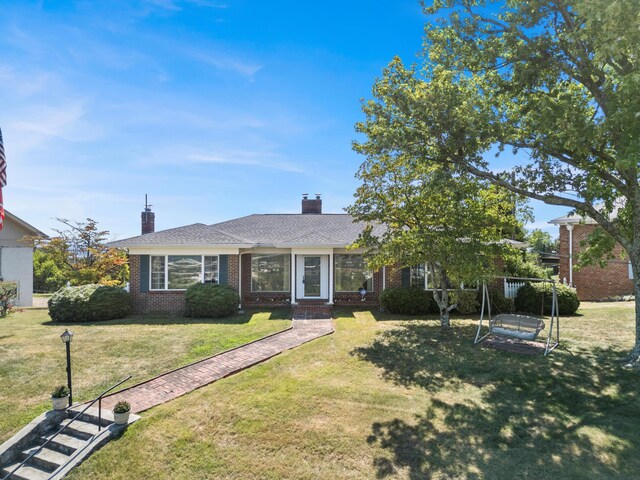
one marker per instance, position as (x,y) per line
(593,282)
(269,259)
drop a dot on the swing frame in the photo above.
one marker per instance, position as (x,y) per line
(550,344)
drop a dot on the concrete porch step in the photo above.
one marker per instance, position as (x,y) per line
(46,459)
(80,429)
(65,443)
(308,312)
(26,472)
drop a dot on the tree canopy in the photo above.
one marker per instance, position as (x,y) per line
(555,82)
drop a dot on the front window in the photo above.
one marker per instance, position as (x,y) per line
(177,272)
(418,276)
(351,273)
(270,273)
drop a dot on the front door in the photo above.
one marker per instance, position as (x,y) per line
(312,276)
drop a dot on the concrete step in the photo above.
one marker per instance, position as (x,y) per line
(92,414)
(79,429)
(64,443)
(26,472)
(46,459)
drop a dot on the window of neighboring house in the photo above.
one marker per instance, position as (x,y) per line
(270,272)
(351,273)
(418,276)
(177,272)
(421,276)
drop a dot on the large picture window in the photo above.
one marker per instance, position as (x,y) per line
(270,273)
(418,276)
(177,272)
(351,273)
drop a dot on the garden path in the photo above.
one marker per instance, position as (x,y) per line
(183,380)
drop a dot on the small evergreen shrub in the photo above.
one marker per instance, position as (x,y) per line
(466,300)
(408,301)
(89,303)
(204,300)
(121,407)
(530,296)
(8,294)
(499,303)
(60,391)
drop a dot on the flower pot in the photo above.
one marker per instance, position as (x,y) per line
(60,403)
(121,418)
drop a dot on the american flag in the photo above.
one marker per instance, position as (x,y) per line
(3,179)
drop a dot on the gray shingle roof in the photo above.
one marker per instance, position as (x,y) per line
(269,230)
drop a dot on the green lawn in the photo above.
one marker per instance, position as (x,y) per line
(388,397)
(32,356)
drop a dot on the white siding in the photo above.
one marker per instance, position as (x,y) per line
(17,266)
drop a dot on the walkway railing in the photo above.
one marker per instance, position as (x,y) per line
(89,405)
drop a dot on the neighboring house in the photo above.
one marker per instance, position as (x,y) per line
(16,256)
(270,260)
(593,282)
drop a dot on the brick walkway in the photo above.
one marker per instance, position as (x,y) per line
(173,384)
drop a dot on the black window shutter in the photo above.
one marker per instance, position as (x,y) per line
(223,270)
(406,277)
(144,273)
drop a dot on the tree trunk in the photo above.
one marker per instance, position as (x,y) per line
(633,360)
(441,296)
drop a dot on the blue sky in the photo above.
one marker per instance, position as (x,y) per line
(216,109)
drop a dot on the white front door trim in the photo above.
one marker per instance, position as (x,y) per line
(300,275)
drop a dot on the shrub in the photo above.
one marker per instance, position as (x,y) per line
(499,303)
(89,303)
(60,391)
(408,301)
(466,301)
(8,294)
(121,407)
(204,300)
(531,296)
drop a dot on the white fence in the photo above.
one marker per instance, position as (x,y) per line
(511,287)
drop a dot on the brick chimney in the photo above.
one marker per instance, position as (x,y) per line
(148,218)
(311,205)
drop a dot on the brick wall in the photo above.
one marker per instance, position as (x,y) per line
(593,282)
(169,301)
(393,277)
(144,302)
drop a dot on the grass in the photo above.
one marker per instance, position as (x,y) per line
(393,397)
(32,356)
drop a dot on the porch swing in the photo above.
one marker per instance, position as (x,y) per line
(523,328)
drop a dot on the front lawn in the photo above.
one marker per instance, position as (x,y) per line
(389,397)
(32,356)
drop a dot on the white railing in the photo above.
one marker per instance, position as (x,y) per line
(511,287)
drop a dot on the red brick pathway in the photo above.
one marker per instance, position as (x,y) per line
(186,379)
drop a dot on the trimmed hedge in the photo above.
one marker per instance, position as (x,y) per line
(499,303)
(89,303)
(205,300)
(530,297)
(408,301)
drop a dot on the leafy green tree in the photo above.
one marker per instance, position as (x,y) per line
(432,214)
(540,242)
(557,81)
(79,255)
(47,275)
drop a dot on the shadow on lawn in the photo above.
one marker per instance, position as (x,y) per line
(164,319)
(521,417)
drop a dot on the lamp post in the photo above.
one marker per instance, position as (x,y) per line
(66,338)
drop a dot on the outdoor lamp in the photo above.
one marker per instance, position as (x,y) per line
(66,338)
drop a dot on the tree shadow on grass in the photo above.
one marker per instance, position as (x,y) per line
(165,319)
(497,414)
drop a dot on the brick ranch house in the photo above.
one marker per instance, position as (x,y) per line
(269,259)
(593,282)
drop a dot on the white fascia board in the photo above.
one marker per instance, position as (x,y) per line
(182,250)
(312,250)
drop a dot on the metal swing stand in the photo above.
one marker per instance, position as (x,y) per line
(520,327)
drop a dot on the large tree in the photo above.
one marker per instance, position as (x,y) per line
(434,214)
(556,81)
(78,254)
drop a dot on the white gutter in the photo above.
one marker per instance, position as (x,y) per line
(570,229)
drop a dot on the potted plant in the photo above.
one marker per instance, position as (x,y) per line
(121,412)
(60,397)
